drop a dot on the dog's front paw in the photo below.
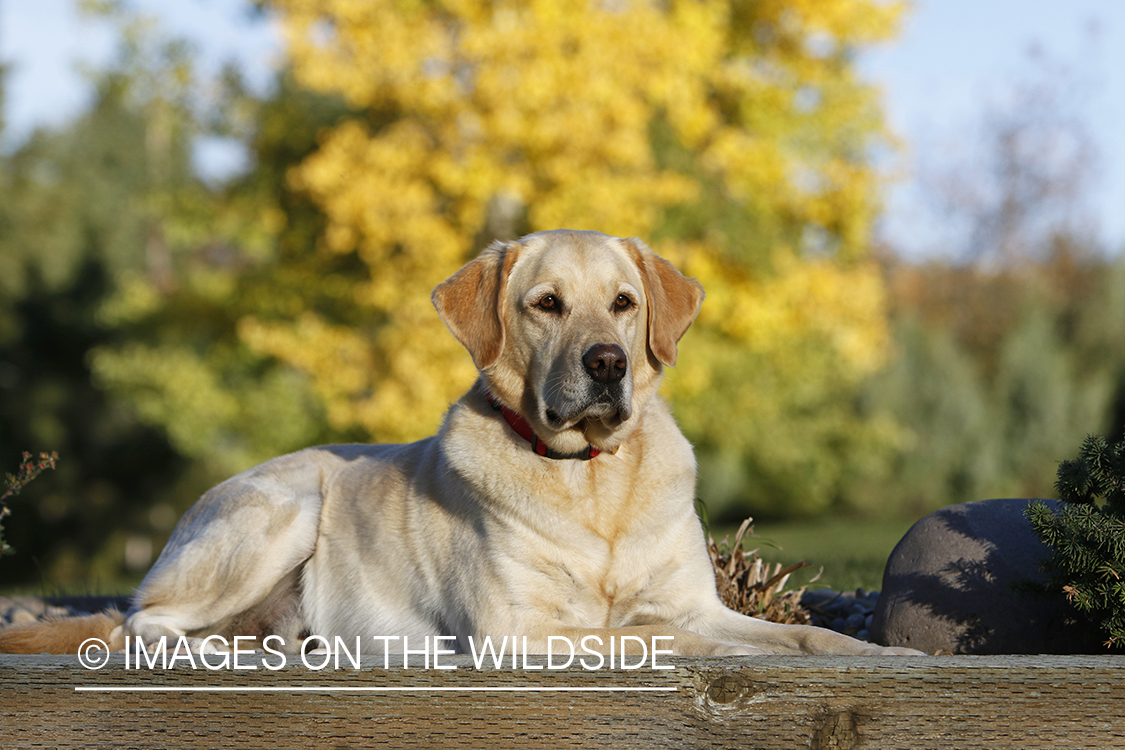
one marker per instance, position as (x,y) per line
(201,646)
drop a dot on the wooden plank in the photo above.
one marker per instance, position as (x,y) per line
(746,702)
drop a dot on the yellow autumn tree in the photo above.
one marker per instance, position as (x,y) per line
(733,135)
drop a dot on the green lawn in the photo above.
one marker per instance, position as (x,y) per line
(852,552)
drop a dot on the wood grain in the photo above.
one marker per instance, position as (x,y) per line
(961,702)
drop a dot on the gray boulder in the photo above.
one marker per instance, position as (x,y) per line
(949,585)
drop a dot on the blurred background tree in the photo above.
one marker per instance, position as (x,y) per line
(125,277)
(733,136)
(162,331)
(74,217)
(1008,343)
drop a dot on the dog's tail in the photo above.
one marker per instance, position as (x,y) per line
(64,635)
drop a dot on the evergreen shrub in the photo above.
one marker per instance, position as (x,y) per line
(1087,535)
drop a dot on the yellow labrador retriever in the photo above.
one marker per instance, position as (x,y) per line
(555,500)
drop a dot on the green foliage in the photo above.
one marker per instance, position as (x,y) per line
(1087,536)
(181,362)
(28,470)
(996,374)
(106,198)
(123,281)
(933,390)
(69,226)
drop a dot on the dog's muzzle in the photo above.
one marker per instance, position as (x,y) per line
(608,392)
(599,390)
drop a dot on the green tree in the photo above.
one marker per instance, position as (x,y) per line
(182,364)
(1047,399)
(995,372)
(935,392)
(69,221)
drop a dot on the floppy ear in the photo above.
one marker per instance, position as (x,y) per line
(673,301)
(469,303)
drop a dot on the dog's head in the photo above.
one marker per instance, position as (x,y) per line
(570,329)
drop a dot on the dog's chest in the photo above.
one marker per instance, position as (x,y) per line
(600,566)
(606,547)
(594,583)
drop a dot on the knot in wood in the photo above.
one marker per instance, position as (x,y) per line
(836,731)
(727,688)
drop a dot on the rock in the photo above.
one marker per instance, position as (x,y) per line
(32,604)
(90,604)
(843,612)
(20,616)
(948,585)
(23,610)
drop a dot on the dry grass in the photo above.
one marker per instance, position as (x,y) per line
(753,587)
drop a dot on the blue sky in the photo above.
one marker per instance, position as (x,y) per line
(954,59)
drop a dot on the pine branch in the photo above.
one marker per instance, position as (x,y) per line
(1087,537)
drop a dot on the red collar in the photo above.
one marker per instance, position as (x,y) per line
(523,429)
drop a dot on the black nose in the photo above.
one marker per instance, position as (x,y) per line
(605,363)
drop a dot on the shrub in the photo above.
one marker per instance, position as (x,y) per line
(1087,535)
(753,587)
(28,470)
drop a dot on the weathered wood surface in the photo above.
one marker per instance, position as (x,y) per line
(1015,703)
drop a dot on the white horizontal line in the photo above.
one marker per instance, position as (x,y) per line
(328,689)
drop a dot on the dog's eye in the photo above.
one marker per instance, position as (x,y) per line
(548,302)
(623,302)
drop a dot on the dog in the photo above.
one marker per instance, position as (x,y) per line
(557,498)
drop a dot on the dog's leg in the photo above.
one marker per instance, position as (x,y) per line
(609,640)
(774,638)
(230,553)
